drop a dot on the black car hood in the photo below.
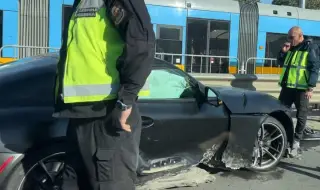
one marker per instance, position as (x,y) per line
(242,101)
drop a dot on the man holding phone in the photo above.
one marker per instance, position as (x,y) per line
(299,59)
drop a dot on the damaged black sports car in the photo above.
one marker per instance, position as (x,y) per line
(184,123)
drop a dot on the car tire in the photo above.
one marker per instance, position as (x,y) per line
(19,173)
(273,121)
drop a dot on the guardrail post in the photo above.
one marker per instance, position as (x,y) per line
(242,69)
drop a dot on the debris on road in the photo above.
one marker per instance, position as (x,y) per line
(190,177)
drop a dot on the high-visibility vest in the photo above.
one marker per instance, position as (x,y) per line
(298,75)
(93,47)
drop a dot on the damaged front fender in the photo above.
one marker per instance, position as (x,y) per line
(242,135)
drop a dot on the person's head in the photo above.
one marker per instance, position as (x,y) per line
(295,36)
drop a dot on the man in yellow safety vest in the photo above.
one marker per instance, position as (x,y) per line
(105,59)
(300,67)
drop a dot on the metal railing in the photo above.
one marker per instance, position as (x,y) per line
(192,63)
(200,63)
(268,66)
(26,51)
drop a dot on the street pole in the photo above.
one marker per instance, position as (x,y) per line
(302,4)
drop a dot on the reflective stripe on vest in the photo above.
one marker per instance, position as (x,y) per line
(297,74)
(94,46)
(97,90)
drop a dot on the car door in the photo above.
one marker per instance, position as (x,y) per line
(176,118)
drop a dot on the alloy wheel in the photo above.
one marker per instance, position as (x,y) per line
(45,174)
(269,146)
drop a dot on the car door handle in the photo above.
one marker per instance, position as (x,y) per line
(147,122)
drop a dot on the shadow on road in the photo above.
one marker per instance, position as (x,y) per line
(246,174)
(309,145)
(298,169)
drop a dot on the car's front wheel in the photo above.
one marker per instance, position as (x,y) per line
(270,145)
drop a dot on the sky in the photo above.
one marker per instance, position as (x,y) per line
(266,1)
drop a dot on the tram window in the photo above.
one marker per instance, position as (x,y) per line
(197,36)
(169,40)
(219,45)
(273,44)
(208,37)
(315,39)
(1,29)
(66,13)
(219,38)
(169,33)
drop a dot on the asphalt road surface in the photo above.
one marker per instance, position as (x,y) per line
(292,174)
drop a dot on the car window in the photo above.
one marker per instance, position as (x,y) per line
(169,83)
(211,94)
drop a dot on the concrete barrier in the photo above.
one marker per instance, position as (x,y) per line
(263,83)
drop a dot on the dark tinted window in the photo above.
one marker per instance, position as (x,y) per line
(315,39)
(208,37)
(1,29)
(274,43)
(170,33)
(169,40)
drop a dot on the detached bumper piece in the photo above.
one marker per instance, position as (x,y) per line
(163,164)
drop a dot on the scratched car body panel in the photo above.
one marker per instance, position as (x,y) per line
(182,118)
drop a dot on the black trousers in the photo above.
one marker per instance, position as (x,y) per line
(288,96)
(99,156)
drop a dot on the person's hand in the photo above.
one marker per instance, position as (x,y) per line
(309,94)
(124,115)
(285,47)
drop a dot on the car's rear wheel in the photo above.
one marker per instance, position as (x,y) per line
(270,145)
(39,170)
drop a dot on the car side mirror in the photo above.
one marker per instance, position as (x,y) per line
(212,96)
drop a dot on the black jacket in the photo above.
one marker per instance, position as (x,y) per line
(313,64)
